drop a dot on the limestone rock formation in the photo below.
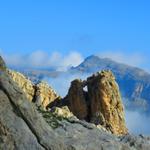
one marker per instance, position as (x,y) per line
(25,84)
(41,94)
(44,94)
(77,100)
(23,128)
(101,104)
(105,102)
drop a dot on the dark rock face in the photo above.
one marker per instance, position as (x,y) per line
(77,100)
(101,104)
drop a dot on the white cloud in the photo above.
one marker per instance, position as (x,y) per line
(43,59)
(72,59)
(134,59)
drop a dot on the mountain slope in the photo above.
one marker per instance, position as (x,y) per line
(23,128)
(134,82)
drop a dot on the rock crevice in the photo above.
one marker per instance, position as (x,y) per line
(21,115)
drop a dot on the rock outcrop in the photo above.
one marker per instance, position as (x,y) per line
(22,127)
(62,112)
(44,94)
(106,107)
(100,104)
(77,100)
(25,84)
(41,94)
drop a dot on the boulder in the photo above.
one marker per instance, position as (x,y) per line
(62,112)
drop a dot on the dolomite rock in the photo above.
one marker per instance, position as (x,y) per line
(25,84)
(44,94)
(101,104)
(105,102)
(23,128)
(41,94)
(77,100)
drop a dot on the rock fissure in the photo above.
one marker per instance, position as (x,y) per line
(19,114)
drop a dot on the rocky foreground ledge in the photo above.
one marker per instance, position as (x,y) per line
(24,127)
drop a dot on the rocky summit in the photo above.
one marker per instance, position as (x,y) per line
(100,104)
(23,126)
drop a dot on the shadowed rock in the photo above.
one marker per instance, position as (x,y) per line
(77,100)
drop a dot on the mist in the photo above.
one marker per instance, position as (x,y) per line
(137,122)
(62,83)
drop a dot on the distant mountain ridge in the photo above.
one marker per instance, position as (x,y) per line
(134,82)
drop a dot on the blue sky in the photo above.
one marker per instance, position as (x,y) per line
(86,26)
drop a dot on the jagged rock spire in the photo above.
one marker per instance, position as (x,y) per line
(100,104)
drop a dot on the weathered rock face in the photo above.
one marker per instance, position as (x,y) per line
(42,94)
(101,104)
(23,128)
(77,100)
(105,102)
(25,84)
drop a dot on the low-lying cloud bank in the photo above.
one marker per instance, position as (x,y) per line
(42,59)
(137,123)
